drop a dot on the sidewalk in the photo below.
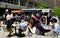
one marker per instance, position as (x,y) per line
(3,34)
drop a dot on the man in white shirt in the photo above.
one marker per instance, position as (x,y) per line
(8,18)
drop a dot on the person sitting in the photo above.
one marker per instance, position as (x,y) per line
(42,29)
(31,29)
(22,26)
(55,28)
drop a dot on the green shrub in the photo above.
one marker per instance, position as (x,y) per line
(56,11)
(41,5)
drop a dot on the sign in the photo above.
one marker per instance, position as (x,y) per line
(45,10)
(17,11)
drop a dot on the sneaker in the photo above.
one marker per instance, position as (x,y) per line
(9,35)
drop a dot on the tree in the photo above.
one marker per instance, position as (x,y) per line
(42,5)
(56,11)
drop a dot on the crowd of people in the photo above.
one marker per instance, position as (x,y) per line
(31,24)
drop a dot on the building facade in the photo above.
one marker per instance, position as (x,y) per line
(16,4)
(57,3)
(51,3)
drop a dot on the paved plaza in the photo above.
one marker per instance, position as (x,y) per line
(4,33)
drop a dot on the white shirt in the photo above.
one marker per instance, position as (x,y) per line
(12,16)
(22,25)
(8,17)
(33,30)
(56,28)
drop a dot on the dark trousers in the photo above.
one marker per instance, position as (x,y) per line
(9,23)
(44,31)
(20,31)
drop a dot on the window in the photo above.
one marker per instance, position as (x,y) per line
(23,2)
(0,0)
(10,1)
(30,4)
(15,1)
(5,0)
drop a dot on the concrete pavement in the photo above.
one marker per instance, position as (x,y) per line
(4,33)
